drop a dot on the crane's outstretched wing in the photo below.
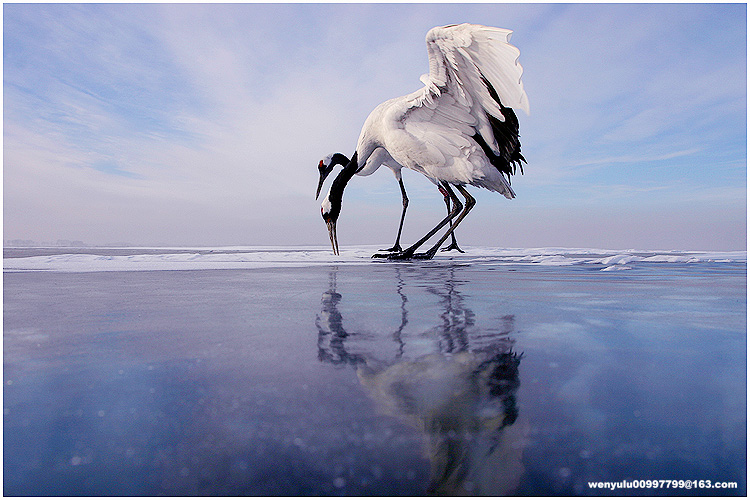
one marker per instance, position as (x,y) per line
(461,56)
(479,67)
(465,108)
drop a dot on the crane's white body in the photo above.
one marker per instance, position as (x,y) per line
(431,130)
(380,157)
(376,160)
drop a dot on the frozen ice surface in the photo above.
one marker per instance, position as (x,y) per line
(173,259)
(272,371)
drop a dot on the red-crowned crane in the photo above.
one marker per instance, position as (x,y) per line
(458,129)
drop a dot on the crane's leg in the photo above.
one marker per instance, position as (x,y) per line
(405,203)
(454,243)
(409,252)
(470,202)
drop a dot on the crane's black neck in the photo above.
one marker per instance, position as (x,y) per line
(339,183)
(339,159)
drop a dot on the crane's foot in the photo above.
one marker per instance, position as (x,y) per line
(395,248)
(403,255)
(423,255)
(452,246)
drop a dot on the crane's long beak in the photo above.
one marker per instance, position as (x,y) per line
(332,233)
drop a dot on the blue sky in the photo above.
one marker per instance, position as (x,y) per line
(203,124)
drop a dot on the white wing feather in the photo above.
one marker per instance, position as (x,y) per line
(471,51)
(460,57)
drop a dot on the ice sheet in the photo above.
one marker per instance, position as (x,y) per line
(165,259)
(496,372)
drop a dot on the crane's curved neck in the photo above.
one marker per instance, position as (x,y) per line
(339,183)
(338,159)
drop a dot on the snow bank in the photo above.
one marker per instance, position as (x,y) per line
(175,259)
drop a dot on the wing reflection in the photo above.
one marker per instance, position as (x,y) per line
(454,382)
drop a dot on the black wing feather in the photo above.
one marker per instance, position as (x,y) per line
(506,136)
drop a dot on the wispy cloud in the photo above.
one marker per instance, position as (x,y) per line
(636,158)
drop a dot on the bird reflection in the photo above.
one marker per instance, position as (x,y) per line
(460,392)
(331,333)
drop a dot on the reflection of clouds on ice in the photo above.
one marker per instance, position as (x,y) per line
(152,259)
(565,333)
(577,392)
(453,381)
(576,386)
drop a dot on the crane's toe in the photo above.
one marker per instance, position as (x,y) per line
(424,255)
(452,246)
(403,255)
(395,248)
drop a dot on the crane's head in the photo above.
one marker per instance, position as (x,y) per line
(325,167)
